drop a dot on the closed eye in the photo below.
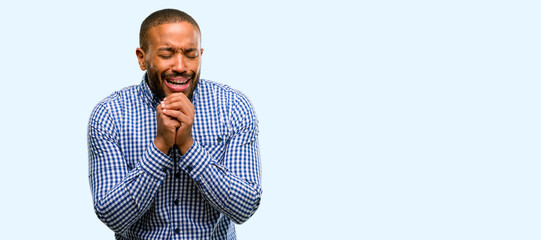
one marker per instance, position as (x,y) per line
(165,56)
(191,53)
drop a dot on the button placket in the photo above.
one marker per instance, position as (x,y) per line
(176,183)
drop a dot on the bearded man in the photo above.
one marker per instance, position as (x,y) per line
(175,157)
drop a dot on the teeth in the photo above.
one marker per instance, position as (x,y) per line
(178,82)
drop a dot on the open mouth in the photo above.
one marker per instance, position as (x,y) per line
(177,84)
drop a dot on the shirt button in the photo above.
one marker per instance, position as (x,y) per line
(164,169)
(189,168)
(176,202)
(177,175)
(177,230)
(219,139)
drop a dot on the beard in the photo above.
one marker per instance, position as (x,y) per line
(153,82)
(157,87)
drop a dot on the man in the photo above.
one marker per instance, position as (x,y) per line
(175,157)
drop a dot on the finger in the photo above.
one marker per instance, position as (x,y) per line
(187,109)
(184,106)
(178,115)
(174,123)
(166,119)
(176,97)
(170,122)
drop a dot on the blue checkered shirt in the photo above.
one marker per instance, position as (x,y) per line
(141,193)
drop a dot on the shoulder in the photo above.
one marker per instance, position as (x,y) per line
(112,104)
(208,87)
(237,100)
(241,112)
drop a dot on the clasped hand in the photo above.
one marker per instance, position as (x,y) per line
(174,116)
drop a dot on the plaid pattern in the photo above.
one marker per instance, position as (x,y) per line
(141,193)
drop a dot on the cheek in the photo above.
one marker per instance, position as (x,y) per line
(159,65)
(194,66)
(150,65)
(155,65)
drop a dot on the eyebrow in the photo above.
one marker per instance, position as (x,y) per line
(170,49)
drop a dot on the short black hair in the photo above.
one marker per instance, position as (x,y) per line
(160,17)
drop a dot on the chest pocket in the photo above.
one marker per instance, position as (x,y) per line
(215,145)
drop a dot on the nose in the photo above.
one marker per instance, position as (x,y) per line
(178,63)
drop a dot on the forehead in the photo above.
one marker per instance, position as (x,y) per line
(180,34)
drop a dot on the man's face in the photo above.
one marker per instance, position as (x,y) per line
(172,58)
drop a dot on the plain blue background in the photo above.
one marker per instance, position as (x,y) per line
(379,119)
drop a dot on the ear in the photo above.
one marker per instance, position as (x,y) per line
(141,58)
(202,51)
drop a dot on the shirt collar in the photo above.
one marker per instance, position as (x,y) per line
(195,93)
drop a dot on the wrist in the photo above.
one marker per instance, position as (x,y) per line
(186,146)
(160,145)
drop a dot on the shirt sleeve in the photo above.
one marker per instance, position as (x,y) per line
(231,185)
(121,195)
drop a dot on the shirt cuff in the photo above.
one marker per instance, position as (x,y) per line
(155,162)
(195,160)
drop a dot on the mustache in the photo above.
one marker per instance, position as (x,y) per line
(177,74)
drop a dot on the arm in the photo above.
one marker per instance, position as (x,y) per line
(121,195)
(231,185)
